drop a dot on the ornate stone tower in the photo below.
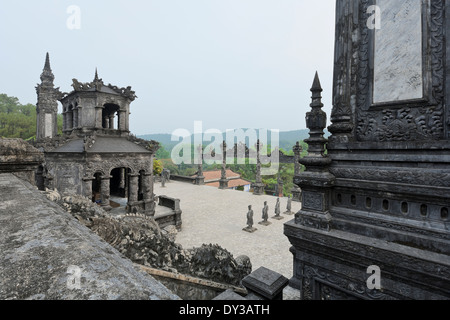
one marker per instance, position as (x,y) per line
(96,156)
(47,104)
(379,200)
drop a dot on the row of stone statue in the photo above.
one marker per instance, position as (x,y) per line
(265,215)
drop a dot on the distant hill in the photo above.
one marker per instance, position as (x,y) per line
(287,138)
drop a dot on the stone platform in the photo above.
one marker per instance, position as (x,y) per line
(40,244)
(218,216)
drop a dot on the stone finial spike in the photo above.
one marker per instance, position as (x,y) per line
(47,63)
(47,76)
(316,89)
(316,84)
(96,75)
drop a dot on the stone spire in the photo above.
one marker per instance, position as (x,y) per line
(47,104)
(223,180)
(47,76)
(258,186)
(98,83)
(96,75)
(316,121)
(316,182)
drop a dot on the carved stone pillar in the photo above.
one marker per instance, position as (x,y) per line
(105,192)
(122,118)
(75,118)
(341,115)
(200,180)
(134,186)
(69,120)
(98,117)
(223,180)
(149,201)
(316,182)
(258,187)
(111,122)
(87,187)
(106,121)
(296,191)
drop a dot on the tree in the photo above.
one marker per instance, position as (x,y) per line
(157,167)
(19,121)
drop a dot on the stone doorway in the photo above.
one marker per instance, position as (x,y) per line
(119,187)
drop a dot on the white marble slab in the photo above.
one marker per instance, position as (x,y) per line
(398,49)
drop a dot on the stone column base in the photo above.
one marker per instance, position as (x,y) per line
(258,189)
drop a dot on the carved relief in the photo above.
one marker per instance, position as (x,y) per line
(106,166)
(411,176)
(332,287)
(415,120)
(312,201)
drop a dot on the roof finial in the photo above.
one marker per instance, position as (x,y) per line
(96,74)
(47,75)
(47,62)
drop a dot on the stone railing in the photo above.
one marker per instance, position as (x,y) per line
(185,179)
(172,218)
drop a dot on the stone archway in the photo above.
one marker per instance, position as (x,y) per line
(110,110)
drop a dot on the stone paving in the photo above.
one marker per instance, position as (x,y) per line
(218,216)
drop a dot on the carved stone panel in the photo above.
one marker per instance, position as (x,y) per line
(398,52)
(400,111)
(312,200)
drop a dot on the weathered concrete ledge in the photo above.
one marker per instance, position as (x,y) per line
(39,242)
(191,288)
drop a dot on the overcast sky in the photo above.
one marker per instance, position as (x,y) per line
(228,63)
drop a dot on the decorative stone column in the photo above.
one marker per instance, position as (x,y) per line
(98,117)
(105,192)
(106,119)
(296,191)
(200,180)
(149,201)
(75,118)
(223,180)
(122,119)
(280,186)
(69,120)
(316,182)
(87,187)
(133,193)
(258,187)
(111,121)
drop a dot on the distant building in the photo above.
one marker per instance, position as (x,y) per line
(212,179)
(96,156)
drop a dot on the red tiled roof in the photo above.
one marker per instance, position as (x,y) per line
(233,183)
(217,174)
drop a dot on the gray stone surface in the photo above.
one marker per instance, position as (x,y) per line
(266,283)
(39,242)
(216,216)
(398,52)
(380,196)
(229,295)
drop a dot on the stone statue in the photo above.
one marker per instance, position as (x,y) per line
(265,215)
(249,227)
(163,180)
(277,207)
(250,217)
(277,210)
(289,206)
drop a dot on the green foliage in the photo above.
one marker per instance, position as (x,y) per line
(162,153)
(19,121)
(157,167)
